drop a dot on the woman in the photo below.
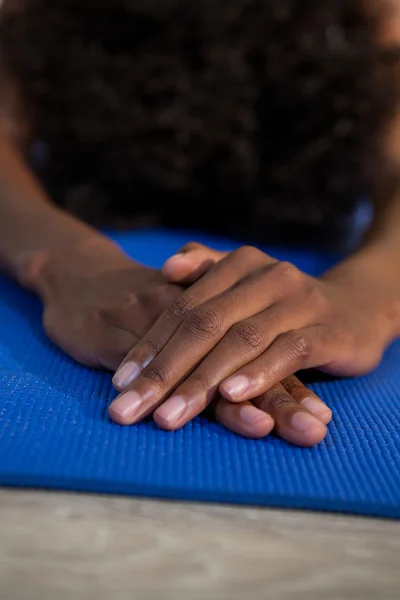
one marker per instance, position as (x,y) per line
(245,117)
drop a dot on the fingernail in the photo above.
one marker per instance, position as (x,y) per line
(303,421)
(251,415)
(126,374)
(316,407)
(172,409)
(126,405)
(236,386)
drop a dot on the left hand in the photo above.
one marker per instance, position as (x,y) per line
(247,324)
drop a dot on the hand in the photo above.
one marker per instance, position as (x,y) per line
(117,302)
(97,302)
(254,419)
(273,410)
(248,323)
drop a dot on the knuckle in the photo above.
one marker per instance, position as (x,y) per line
(274,399)
(248,253)
(293,385)
(205,321)
(179,308)
(190,246)
(316,298)
(246,334)
(149,349)
(280,399)
(160,375)
(288,273)
(298,344)
(199,382)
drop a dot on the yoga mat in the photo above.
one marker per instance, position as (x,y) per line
(54,430)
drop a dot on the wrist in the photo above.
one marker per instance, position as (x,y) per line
(45,271)
(371,278)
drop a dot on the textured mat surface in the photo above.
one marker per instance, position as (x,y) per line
(54,431)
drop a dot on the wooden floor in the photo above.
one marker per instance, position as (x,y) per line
(65,546)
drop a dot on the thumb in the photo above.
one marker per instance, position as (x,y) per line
(190,263)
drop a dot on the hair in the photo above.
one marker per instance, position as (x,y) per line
(227,114)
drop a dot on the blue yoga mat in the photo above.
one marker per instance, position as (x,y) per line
(54,430)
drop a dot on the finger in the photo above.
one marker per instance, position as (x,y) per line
(243,343)
(221,277)
(249,421)
(244,419)
(308,399)
(190,263)
(197,335)
(292,351)
(293,422)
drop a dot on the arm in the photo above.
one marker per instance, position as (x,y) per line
(251,322)
(31,227)
(55,255)
(375,265)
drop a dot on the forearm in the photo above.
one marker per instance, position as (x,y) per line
(373,270)
(31,227)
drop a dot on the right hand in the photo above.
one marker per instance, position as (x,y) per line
(97,302)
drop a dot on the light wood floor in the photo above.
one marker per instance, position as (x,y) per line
(56,546)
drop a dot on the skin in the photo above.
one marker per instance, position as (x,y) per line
(206,317)
(248,323)
(251,321)
(53,254)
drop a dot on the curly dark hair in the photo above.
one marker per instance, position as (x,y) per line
(224,114)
